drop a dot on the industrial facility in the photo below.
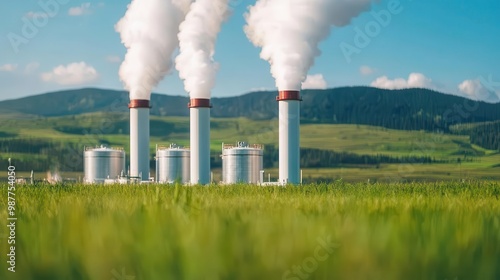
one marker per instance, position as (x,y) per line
(241,163)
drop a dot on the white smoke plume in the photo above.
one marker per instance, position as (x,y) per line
(149,31)
(197,37)
(289,32)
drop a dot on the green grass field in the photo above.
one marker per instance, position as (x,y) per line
(337,231)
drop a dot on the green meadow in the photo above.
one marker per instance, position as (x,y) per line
(321,231)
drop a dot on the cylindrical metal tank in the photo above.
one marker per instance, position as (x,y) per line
(172,164)
(103,163)
(242,163)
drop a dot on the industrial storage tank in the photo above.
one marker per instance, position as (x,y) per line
(172,164)
(103,163)
(242,163)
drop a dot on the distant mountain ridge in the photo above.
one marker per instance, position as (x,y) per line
(400,109)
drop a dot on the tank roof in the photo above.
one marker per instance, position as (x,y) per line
(242,145)
(172,146)
(103,148)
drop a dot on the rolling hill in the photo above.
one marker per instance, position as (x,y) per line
(410,109)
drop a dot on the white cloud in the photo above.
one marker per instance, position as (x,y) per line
(8,67)
(470,87)
(474,89)
(71,74)
(259,89)
(31,67)
(31,15)
(83,9)
(315,82)
(366,70)
(415,80)
(113,59)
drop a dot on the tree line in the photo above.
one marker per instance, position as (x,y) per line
(486,135)
(42,155)
(317,158)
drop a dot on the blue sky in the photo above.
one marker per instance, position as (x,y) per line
(448,45)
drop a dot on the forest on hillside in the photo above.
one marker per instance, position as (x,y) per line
(486,135)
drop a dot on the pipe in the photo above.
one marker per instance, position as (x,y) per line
(289,136)
(139,139)
(199,110)
(157,170)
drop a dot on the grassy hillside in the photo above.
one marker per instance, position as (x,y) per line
(409,109)
(462,160)
(92,129)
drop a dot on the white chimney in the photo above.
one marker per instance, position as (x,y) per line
(139,139)
(289,136)
(200,141)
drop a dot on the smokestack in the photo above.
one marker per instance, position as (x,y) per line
(197,68)
(139,138)
(199,109)
(290,43)
(289,136)
(149,32)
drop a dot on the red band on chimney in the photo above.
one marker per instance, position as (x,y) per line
(139,103)
(199,103)
(285,95)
